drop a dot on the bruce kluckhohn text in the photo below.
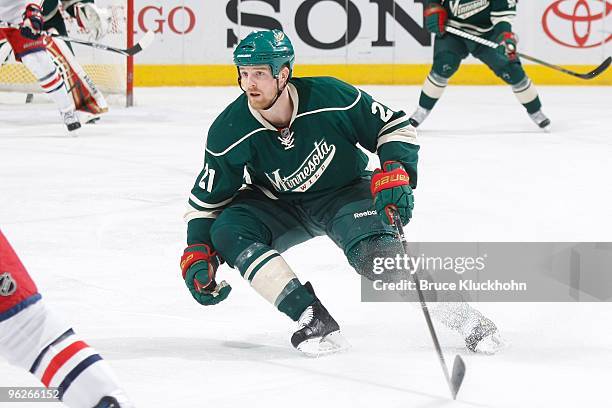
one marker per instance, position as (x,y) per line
(462,285)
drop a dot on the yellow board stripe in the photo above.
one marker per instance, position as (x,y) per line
(361,74)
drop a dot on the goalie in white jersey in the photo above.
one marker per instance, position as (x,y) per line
(34,338)
(21,24)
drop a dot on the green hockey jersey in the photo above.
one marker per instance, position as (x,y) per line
(479,17)
(314,156)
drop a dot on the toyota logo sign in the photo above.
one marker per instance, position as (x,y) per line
(571,22)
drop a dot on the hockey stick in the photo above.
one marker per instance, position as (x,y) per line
(144,42)
(454,381)
(491,44)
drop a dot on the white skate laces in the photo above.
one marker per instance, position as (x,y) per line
(306,318)
(318,334)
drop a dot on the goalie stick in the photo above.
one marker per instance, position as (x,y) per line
(491,44)
(144,42)
(454,381)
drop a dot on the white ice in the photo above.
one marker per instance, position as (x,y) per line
(98,222)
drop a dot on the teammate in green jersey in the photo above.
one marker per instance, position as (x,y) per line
(490,19)
(282,165)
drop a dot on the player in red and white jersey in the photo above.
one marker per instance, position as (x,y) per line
(36,339)
(21,24)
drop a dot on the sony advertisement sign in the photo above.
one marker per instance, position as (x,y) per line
(359,31)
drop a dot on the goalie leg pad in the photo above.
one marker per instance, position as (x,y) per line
(49,78)
(34,55)
(86,95)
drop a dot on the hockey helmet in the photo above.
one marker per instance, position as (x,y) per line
(270,47)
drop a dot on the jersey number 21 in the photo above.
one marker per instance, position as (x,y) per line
(210,175)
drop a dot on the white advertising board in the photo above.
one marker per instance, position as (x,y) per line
(195,32)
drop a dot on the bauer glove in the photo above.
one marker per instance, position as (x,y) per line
(392,192)
(199,266)
(509,41)
(435,18)
(32,24)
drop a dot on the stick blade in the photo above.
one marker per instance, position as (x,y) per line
(143,43)
(601,68)
(457,376)
(146,39)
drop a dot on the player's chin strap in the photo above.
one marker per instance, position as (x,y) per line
(279,91)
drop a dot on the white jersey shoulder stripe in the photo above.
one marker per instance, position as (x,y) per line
(333,109)
(193,214)
(209,205)
(405,135)
(507,19)
(501,13)
(466,26)
(395,122)
(236,143)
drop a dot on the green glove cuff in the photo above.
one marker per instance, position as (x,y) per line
(501,27)
(400,199)
(220,293)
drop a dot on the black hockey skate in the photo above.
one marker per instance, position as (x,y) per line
(115,400)
(71,120)
(108,402)
(540,119)
(419,115)
(318,333)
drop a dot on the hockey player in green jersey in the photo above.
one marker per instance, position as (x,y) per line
(490,19)
(305,176)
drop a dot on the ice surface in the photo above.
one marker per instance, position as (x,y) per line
(98,222)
